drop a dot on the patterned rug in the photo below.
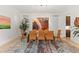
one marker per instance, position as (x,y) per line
(42,47)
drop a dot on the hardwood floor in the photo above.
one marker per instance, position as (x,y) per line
(70,42)
(8,45)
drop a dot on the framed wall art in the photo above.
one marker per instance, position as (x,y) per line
(5,22)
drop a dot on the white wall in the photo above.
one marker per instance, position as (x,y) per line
(9,34)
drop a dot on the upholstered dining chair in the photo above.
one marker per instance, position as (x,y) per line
(49,36)
(31,37)
(41,39)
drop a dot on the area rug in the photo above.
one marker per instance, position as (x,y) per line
(42,47)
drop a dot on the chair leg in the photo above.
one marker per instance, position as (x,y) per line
(28,38)
(47,45)
(37,45)
(28,46)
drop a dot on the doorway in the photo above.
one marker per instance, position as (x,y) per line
(68,32)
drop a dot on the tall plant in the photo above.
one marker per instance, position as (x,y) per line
(24,26)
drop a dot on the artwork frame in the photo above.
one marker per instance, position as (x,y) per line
(41,23)
(5,22)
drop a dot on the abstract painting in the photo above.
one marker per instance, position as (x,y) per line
(40,23)
(5,22)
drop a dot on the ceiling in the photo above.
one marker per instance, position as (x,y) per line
(40,8)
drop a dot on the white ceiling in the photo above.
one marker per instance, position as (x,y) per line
(41,9)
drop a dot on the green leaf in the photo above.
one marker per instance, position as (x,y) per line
(24,25)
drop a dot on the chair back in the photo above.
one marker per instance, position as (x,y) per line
(41,35)
(59,34)
(32,35)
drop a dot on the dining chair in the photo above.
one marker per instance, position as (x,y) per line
(59,35)
(49,36)
(32,35)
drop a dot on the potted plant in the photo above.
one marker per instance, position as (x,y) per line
(24,26)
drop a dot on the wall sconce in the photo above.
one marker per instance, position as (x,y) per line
(67,27)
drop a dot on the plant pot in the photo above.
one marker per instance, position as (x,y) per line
(23,33)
